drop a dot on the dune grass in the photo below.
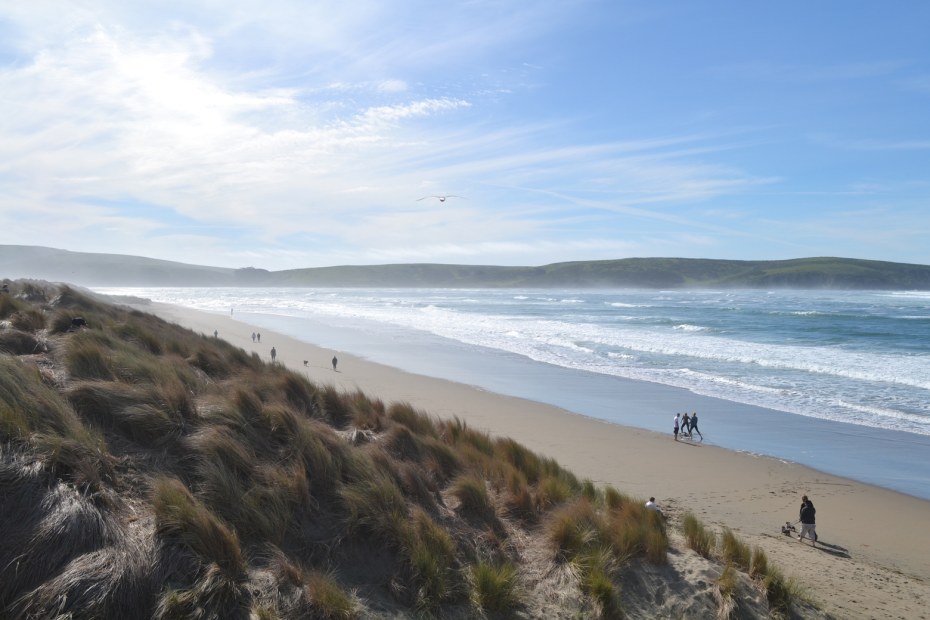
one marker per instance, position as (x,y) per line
(183,519)
(495,587)
(184,477)
(725,591)
(697,536)
(735,551)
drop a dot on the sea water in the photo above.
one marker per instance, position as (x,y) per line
(853,364)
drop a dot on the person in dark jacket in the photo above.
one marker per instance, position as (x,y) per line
(808,527)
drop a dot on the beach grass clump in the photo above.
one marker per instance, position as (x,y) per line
(134,410)
(403,444)
(375,506)
(184,520)
(81,459)
(142,334)
(495,587)
(458,433)
(87,358)
(471,491)
(16,342)
(780,592)
(29,320)
(33,413)
(698,538)
(431,555)
(725,592)
(206,358)
(299,394)
(590,492)
(596,568)
(759,566)
(440,460)
(416,421)
(575,528)
(735,551)
(520,457)
(635,531)
(552,491)
(10,305)
(328,599)
(614,499)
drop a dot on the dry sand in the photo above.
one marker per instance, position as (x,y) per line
(873,559)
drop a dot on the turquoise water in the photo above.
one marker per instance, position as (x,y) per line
(852,367)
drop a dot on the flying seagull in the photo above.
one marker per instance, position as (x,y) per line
(441,198)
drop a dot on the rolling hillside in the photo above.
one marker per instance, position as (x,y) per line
(804,273)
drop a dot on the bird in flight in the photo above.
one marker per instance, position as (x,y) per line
(440,198)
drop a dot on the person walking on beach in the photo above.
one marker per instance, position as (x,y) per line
(808,527)
(215,333)
(258,337)
(685,421)
(274,354)
(675,429)
(693,428)
(253,336)
(335,361)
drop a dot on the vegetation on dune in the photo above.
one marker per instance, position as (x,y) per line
(148,471)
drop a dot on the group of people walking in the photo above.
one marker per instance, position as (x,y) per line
(686,425)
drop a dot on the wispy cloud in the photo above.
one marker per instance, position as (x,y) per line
(298,133)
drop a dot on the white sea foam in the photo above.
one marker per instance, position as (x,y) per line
(881,388)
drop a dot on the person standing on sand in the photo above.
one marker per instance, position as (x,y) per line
(259,337)
(693,428)
(274,354)
(808,527)
(675,429)
(215,333)
(685,421)
(335,361)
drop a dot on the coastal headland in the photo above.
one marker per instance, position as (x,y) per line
(873,560)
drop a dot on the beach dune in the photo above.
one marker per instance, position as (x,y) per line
(873,557)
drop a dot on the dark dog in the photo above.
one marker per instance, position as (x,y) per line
(78,321)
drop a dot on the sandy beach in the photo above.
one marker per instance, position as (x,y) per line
(874,560)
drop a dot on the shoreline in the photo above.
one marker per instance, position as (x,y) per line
(874,563)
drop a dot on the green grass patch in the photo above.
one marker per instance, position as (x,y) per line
(698,538)
(495,587)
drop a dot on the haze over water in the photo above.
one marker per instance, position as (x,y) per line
(859,358)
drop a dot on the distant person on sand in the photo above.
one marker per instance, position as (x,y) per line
(335,361)
(675,429)
(808,528)
(253,336)
(651,505)
(215,333)
(694,429)
(259,337)
(685,421)
(274,354)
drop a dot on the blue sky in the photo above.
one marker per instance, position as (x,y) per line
(296,134)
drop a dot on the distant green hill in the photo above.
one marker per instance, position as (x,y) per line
(119,270)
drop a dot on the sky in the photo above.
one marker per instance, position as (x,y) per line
(286,134)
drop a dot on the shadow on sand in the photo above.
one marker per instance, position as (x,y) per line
(836,550)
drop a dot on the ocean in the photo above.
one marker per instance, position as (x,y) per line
(838,380)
